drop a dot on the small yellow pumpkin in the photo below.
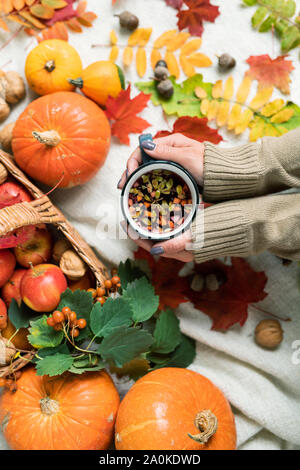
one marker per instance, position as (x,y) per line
(49,66)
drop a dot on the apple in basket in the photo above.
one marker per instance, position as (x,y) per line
(13,193)
(7,266)
(42,286)
(11,290)
(37,249)
(3,315)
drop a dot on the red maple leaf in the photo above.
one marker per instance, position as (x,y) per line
(229,304)
(175,3)
(197,12)
(168,285)
(271,72)
(63,14)
(123,110)
(194,128)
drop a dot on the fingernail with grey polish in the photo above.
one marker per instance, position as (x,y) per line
(157,250)
(118,185)
(148,144)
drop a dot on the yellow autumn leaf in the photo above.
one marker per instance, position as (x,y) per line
(191,46)
(282,116)
(271,131)
(145,36)
(178,41)
(172,64)
(228,88)
(271,108)
(186,66)
(222,113)
(27,16)
(114,52)
(18,4)
(204,106)
(199,60)
(155,57)
(212,109)
(139,37)
(113,38)
(141,62)
(163,39)
(127,56)
(244,121)
(234,116)
(7,6)
(243,90)
(257,131)
(261,98)
(18,20)
(217,90)
(200,92)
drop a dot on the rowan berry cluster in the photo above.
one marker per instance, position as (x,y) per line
(112,285)
(66,317)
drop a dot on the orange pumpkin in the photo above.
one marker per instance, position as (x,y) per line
(175,409)
(61,135)
(68,412)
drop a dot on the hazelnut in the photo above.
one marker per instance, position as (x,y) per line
(14,87)
(72,265)
(59,248)
(268,333)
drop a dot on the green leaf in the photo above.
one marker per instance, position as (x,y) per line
(124,344)
(20,316)
(258,16)
(289,8)
(62,348)
(82,370)
(290,39)
(183,355)
(55,364)
(80,301)
(114,313)
(128,272)
(42,335)
(183,101)
(143,301)
(167,333)
(267,24)
(250,3)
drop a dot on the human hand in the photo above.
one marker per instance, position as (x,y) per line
(177,148)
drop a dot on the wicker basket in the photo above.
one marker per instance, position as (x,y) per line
(41,211)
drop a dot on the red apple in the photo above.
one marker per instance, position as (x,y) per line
(36,250)
(42,286)
(3,315)
(13,193)
(7,265)
(11,290)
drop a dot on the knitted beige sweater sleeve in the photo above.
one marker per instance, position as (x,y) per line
(251,221)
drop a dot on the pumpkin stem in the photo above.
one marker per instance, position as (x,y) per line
(78,82)
(49,406)
(50,138)
(207,423)
(50,66)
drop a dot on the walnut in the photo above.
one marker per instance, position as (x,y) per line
(14,87)
(4,109)
(268,333)
(7,351)
(72,265)
(59,248)
(6,136)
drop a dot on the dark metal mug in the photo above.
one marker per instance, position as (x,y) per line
(149,164)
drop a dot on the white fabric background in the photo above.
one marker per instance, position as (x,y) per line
(262,386)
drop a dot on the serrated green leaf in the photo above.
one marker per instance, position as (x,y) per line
(183,355)
(141,296)
(80,301)
(267,24)
(20,316)
(55,364)
(289,8)
(62,348)
(167,333)
(290,39)
(42,335)
(281,26)
(114,313)
(124,344)
(259,16)
(128,272)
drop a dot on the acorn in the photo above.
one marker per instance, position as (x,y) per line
(161,73)
(165,89)
(128,20)
(226,62)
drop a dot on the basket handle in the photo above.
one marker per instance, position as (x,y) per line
(39,211)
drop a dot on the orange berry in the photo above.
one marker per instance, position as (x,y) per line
(115,280)
(81,323)
(58,326)
(101,300)
(66,312)
(101,292)
(119,285)
(58,316)
(72,317)
(75,332)
(50,321)
(108,284)
(93,291)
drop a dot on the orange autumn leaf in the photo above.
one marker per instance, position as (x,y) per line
(271,72)
(122,112)
(57,31)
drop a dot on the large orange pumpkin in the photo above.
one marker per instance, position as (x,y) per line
(69,412)
(175,409)
(60,135)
